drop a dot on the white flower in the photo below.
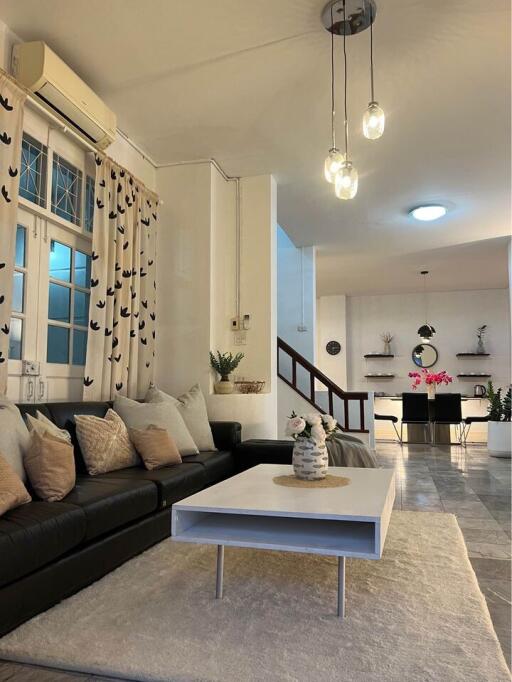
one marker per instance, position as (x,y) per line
(330,423)
(313,419)
(318,433)
(295,425)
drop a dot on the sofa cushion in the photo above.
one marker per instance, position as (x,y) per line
(109,504)
(174,482)
(63,414)
(250,453)
(14,436)
(36,533)
(217,465)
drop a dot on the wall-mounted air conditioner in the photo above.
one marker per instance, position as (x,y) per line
(40,70)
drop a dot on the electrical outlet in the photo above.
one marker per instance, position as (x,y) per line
(246,322)
(240,339)
(235,324)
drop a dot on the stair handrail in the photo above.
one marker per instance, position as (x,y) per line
(332,388)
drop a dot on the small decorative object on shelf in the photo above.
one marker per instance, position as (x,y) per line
(431,379)
(224,364)
(480,346)
(310,432)
(499,437)
(244,386)
(387,337)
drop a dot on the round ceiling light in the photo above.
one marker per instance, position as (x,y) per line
(430,212)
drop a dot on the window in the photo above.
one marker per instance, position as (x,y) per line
(33,170)
(18,295)
(68,304)
(66,190)
(89,203)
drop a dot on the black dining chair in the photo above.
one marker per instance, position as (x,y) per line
(448,412)
(389,418)
(415,412)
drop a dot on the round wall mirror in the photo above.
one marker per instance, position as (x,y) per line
(424,355)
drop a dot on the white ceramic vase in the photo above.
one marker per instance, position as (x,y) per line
(499,438)
(224,387)
(431,391)
(310,459)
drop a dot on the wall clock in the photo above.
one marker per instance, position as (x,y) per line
(333,347)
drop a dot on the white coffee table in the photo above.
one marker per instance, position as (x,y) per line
(250,510)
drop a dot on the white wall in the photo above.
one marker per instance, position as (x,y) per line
(455,315)
(331,326)
(296,295)
(197,292)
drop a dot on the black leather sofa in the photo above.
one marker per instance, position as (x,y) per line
(50,550)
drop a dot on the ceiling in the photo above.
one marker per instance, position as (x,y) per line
(248,84)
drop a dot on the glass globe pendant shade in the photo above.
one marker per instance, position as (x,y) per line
(346,181)
(426,332)
(373,121)
(332,164)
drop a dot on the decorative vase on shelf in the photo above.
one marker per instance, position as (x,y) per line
(387,348)
(431,391)
(224,386)
(480,347)
(310,460)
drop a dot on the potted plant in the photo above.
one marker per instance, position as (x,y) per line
(431,379)
(310,432)
(480,333)
(224,364)
(499,435)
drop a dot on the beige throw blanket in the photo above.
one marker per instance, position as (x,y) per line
(348,451)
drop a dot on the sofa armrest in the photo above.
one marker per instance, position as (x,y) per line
(226,435)
(250,453)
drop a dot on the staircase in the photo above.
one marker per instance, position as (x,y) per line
(347,407)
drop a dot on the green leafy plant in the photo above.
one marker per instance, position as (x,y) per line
(480,332)
(225,363)
(499,408)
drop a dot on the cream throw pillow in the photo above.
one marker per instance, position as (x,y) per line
(43,425)
(14,436)
(192,407)
(105,443)
(165,415)
(155,446)
(50,466)
(12,491)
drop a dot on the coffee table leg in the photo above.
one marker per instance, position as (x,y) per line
(341,587)
(220,571)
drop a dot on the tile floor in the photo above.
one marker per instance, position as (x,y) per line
(468,483)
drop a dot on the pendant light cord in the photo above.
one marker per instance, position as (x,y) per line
(345,63)
(333,111)
(371,50)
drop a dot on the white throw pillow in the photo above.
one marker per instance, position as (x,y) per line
(43,425)
(192,407)
(14,436)
(165,415)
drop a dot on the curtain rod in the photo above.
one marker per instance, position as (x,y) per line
(32,101)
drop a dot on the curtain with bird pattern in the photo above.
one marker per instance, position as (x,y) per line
(122,311)
(12,99)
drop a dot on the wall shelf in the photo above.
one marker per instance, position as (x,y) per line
(378,355)
(474,376)
(473,355)
(379,376)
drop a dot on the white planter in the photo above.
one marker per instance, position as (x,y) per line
(310,459)
(499,438)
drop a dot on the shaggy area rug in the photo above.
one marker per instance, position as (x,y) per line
(416,615)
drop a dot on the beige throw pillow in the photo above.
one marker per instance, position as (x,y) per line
(192,407)
(165,415)
(50,466)
(105,443)
(14,435)
(43,425)
(12,491)
(155,446)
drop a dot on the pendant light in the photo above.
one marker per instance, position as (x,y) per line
(373,119)
(426,331)
(346,178)
(335,157)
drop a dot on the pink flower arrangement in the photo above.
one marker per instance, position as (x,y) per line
(430,378)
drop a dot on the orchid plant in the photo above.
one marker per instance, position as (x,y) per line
(315,426)
(430,378)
